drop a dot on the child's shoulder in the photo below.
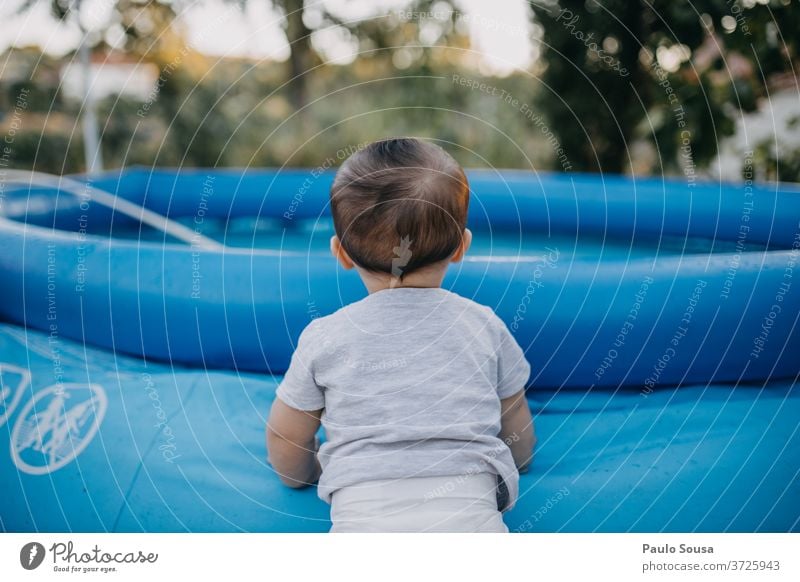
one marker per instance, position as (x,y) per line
(361,313)
(479,317)
(320,323)
(484,314)
(470,305)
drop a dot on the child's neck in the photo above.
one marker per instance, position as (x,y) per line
(425,278)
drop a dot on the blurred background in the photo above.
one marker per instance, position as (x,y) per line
(704,88)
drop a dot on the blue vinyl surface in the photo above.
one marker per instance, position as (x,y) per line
(618,289)
(183,450)
(564,260)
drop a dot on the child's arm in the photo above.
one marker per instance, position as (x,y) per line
(516,429)
(513,373)
(291,444)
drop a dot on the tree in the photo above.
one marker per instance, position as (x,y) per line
(302,56)
(133,16)
(674,74)
(375,33)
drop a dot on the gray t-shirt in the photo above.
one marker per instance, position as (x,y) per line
(411,381)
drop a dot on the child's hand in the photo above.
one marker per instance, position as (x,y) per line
(516,429)
(318,468)
(292,444)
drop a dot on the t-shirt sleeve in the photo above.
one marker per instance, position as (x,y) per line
(513,370)
(298,388)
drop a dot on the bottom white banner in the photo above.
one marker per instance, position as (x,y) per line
(355,557)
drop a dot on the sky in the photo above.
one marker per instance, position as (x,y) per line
(498,29)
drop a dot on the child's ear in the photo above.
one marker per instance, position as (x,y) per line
(341,255)
(466,240)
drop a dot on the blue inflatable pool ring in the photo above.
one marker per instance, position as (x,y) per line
(603,281)
(629,284)
(158,449)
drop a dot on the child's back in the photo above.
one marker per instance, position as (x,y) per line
(410,384)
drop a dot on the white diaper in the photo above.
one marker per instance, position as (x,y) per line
(453,503)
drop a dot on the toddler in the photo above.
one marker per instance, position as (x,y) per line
(420,391)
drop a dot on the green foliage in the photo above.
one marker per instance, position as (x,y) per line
(621,70)
(612,74)
(55,153)
(38,97)
(776,164)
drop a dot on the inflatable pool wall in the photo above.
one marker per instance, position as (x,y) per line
(614,319)
(166,450)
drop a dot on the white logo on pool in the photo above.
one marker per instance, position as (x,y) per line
(56,426)
(13,382)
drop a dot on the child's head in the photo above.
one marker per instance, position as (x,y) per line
(400,207)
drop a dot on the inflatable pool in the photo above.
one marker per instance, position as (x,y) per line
(138,446)
(604,281)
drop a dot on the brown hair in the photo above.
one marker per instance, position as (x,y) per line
(400,205)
